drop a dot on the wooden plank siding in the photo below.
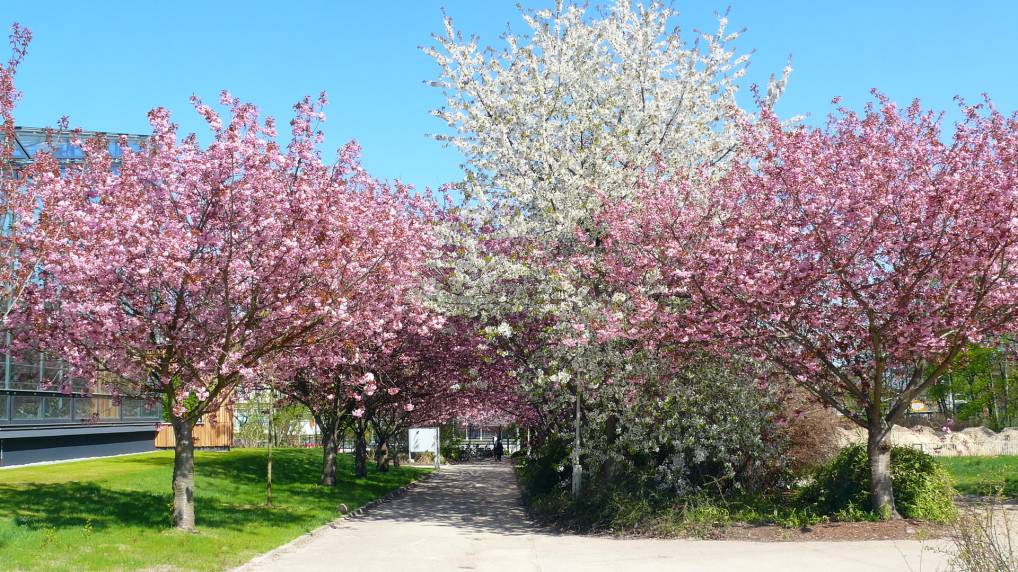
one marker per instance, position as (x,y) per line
(213,431)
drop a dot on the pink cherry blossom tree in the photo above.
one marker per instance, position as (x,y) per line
(859,259)
(447,373)
(183,271)
(424,369)
(335,378)
(328,393)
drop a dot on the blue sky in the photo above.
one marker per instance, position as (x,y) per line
(105,64)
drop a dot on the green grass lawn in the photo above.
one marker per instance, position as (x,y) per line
(114,514)
(984,476)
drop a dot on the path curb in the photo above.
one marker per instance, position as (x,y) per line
(357,512)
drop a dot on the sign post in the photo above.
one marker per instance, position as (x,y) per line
(425,440)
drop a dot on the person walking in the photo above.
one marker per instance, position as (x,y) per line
(498,450)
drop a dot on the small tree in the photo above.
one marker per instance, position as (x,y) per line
(980,389)
(386,422)
(860,258)
(340,397)
(325,395)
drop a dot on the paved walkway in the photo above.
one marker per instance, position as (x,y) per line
(469,517)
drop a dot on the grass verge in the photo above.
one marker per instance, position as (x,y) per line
(113,514)
(984,476)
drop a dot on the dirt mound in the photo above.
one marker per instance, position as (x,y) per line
(979,433)
(970,441)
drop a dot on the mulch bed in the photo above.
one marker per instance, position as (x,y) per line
(906,529)
(835,531)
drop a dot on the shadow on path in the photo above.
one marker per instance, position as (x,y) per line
(480,497)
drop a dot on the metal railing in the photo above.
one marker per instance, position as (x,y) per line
(302,441)
(24,407)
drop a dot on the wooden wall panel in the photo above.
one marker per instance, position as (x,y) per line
(213,431)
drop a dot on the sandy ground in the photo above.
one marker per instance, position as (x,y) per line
(470,517)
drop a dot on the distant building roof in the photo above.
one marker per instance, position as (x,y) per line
(31,140)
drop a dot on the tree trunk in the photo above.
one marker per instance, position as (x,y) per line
(330,447)
(360,453)
(268,467)
(328,477)
(577,483)
(395,456)
(183,475)
(1007,391)
(610,468)
(268,477)
(382,456)
(881,487)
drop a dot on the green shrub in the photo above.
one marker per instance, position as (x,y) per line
(547,469)
(630,504)
(922,488)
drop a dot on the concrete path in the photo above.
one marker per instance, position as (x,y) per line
(469,517)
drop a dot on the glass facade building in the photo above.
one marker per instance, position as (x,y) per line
(36,389)
(45,413)
(28,141)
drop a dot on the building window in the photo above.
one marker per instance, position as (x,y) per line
(51,373)
(86,408)
(140,409)
(45,408)
(25,376)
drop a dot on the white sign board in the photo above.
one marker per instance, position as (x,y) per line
(423,439)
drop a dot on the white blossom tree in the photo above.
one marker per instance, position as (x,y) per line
(563,118)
